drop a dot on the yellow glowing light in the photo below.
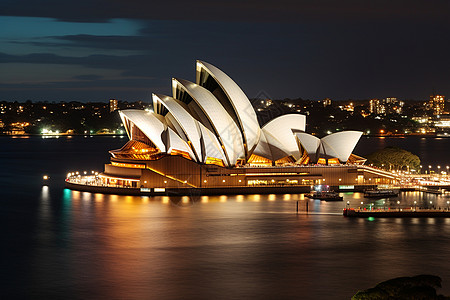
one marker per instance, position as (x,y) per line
(45,177)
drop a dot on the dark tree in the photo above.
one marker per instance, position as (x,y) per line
(393,158)
(421,287)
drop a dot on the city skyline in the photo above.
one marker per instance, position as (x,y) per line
(91,51)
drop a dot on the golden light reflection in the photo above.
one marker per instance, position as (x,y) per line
(204,199)
(128,199)
(185,199)
(223,198)
(240,198)
(272,197)
(145,199)
(114,198)
(76,195)
(86,196)
(256,198)
(356,195)
(287,197)
(302,197)
(165,200)
(98,197)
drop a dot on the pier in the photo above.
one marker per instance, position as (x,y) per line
(397,213)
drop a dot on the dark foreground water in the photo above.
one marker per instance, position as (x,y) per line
(57,243)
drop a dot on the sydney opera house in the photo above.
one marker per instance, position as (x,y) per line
(206,136)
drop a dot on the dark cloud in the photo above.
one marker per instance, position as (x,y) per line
(90,90)
(315,60)
(248,11)
(314,49)
(88,77)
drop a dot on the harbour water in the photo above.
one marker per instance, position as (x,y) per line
(58,243)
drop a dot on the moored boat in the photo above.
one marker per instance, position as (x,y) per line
(325,195)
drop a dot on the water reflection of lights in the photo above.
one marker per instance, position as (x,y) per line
(256,198)
(129,199)
(204,199)
(185,199)
(98,197)
(240,198)
(287,197)
(86,196)
(223,198)
(145,199)
(45,193)
(272,197)
(114,198)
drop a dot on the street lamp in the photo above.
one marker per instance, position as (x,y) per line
(398,203)
(415,203)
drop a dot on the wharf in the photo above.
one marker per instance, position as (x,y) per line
(394,213)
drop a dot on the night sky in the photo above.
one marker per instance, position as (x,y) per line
(94,50)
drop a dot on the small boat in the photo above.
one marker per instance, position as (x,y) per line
(380,193)
(324,195)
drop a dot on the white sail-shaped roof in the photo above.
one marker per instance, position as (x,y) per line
(340,144)
(148,123)
(310,143)
(174,142)
(223,125)
(283,127)
(269,147)
(189,125)
(212,146)
(243,109)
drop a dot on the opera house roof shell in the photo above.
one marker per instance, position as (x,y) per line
(212,121)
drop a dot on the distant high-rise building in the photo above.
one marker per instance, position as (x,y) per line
(374,106)
(393,105)
(437,103)
(113,105)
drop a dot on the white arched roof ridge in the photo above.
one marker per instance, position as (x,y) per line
(310,143)
(241,105)
(341,143)
(175,142)
(277,148)
(282,128)
(152,126)
(188,124)
(263,148)
(227,131)
(211,145)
